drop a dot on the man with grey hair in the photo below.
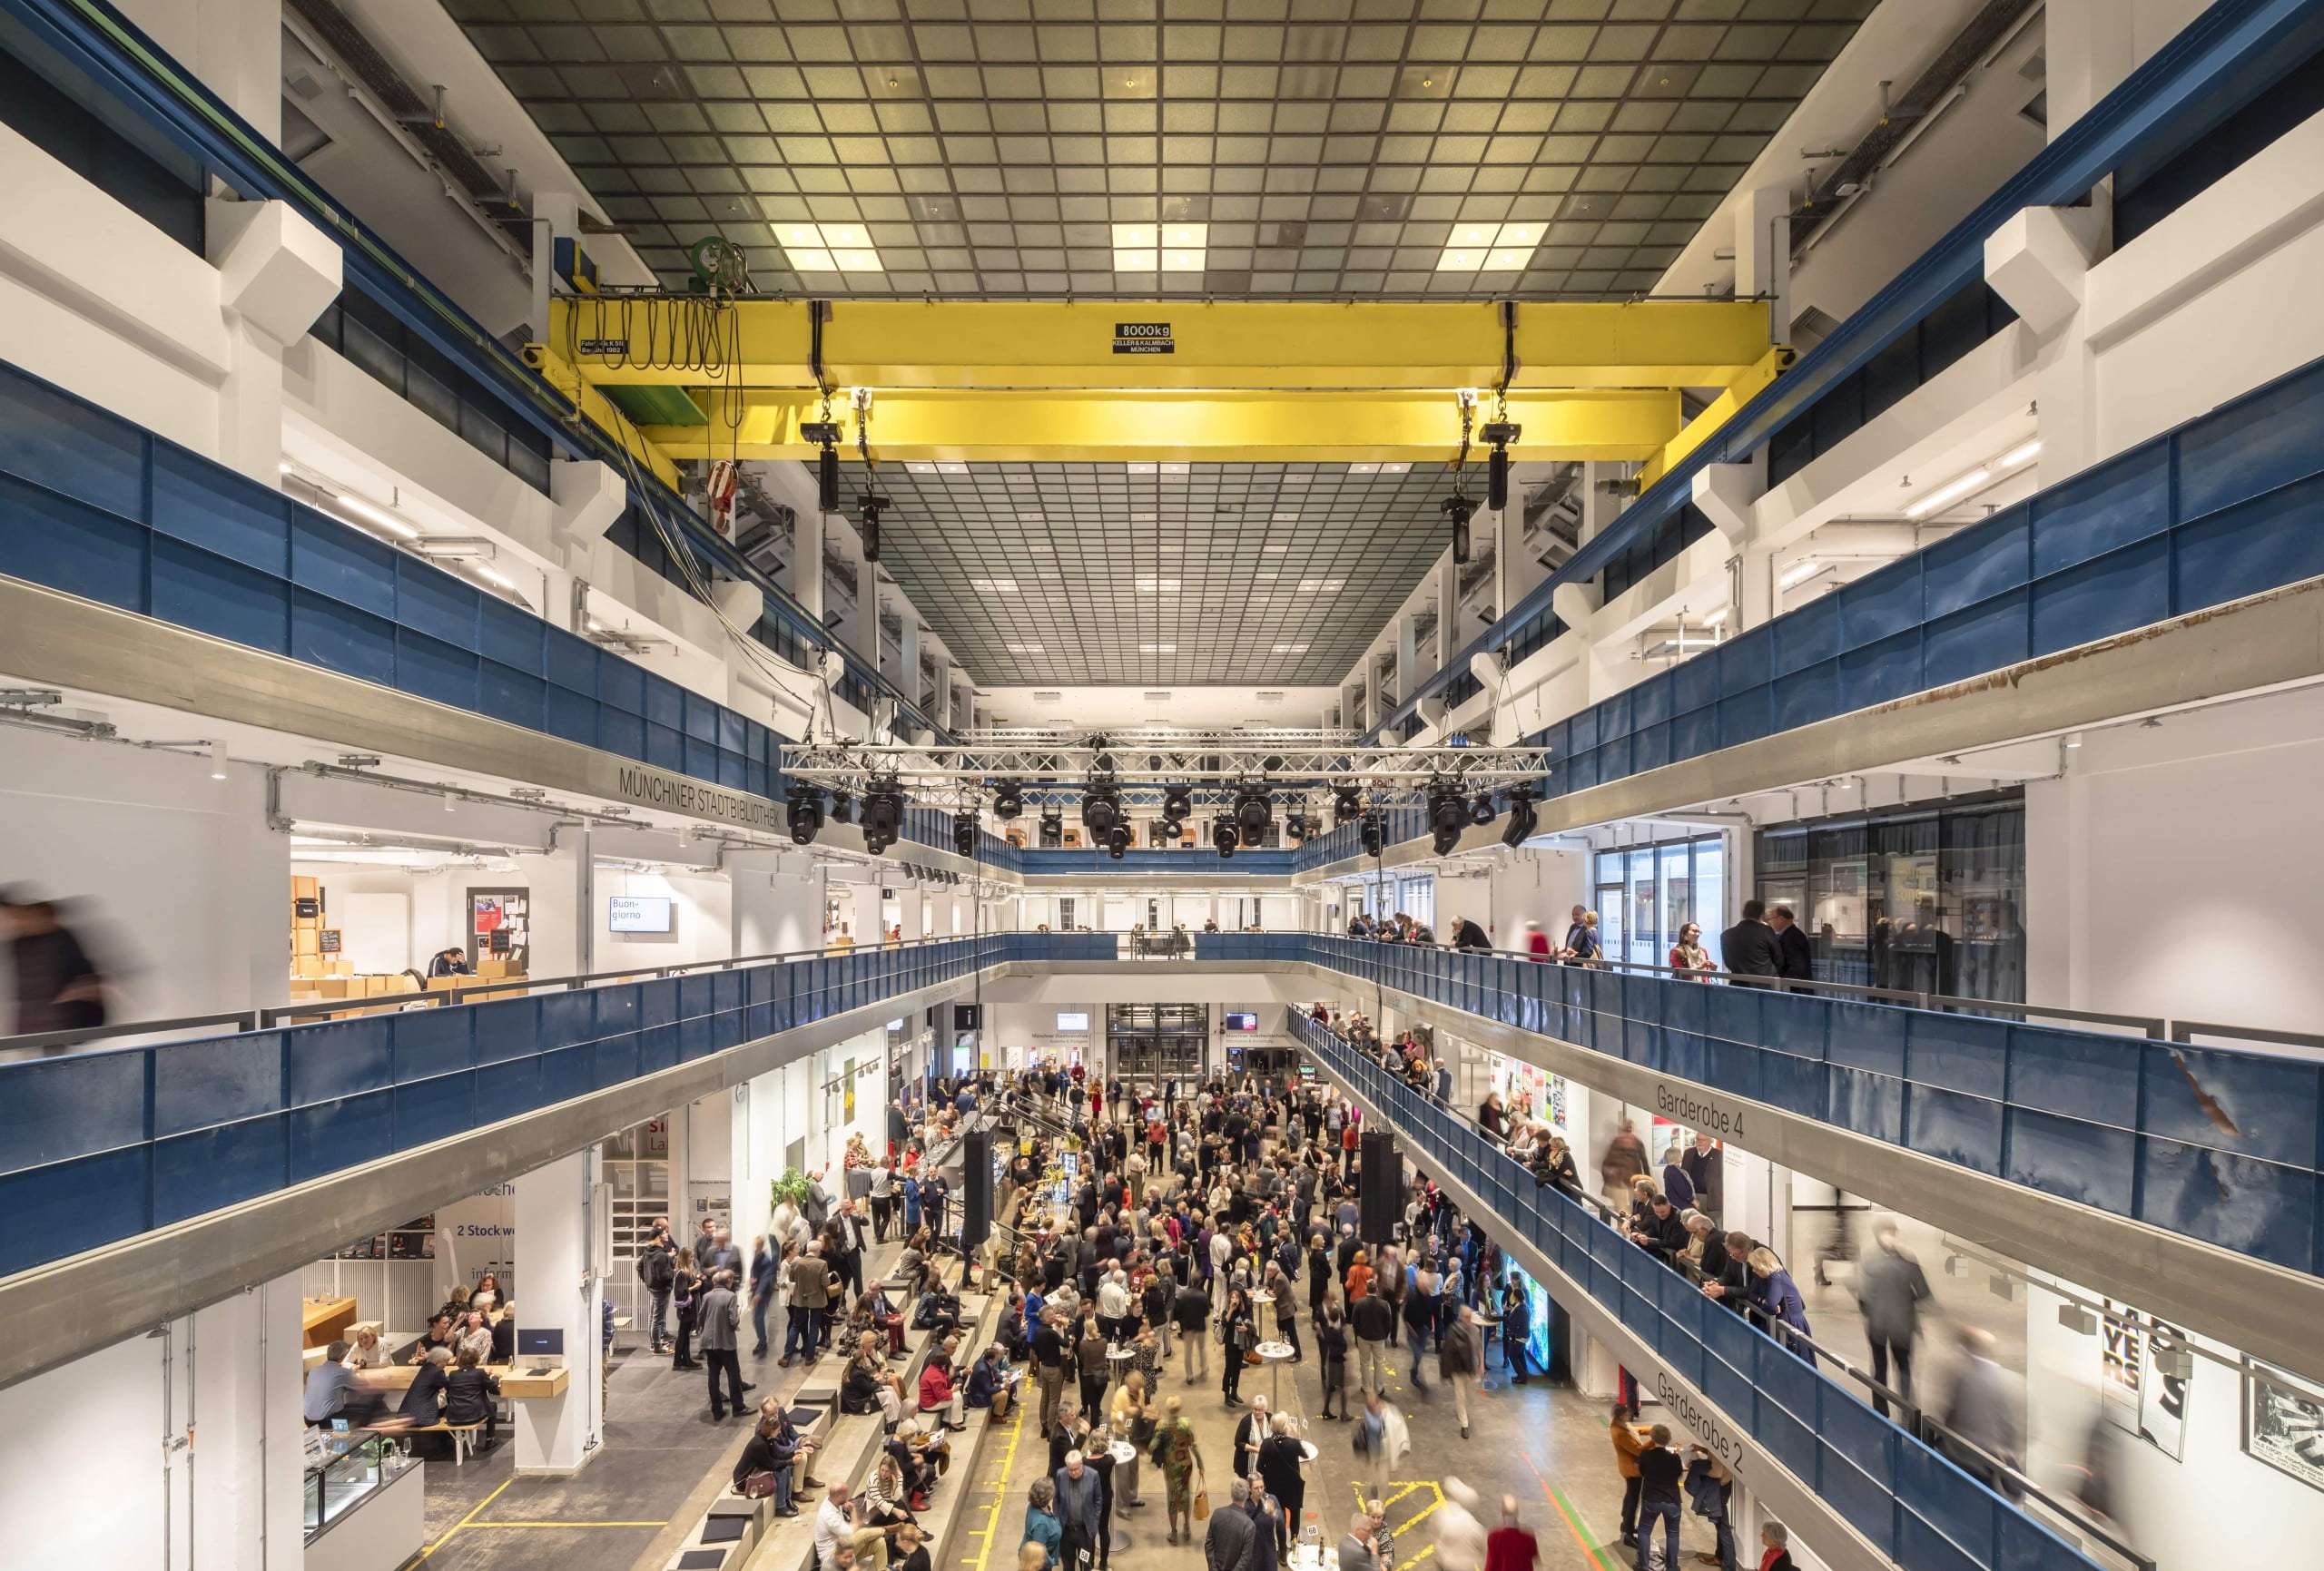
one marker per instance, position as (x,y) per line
(1226,1542)
(1080,1511)
(1355,1549)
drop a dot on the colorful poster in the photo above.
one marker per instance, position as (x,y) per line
(2135,1396)
(2283,1423)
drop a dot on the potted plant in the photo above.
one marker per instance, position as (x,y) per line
(792,1187)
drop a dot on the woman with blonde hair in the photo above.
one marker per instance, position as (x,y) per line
(1133,1420)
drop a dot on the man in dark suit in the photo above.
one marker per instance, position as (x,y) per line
(1751,946)
(1798,956)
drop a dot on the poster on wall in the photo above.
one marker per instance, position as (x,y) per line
(2136,1396)
(2283,1422)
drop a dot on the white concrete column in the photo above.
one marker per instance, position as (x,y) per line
(556,215)
(805,578)
(908,654)
(558,1290)
(1407,656)
(1763,255)
(1598,507)
(859,629)
(1448,598)
(276,273)
(2088,47)
(758,1153)
(2039,261)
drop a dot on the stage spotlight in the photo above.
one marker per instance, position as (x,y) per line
(1177,802)
(1294,824)
(1482,811)
(842,806)
(1500,433)
(1053,826)
(1375,834)
(883,814)
(1117,840)
(868,509)
(1101,802)
(1448,815)
(1460,510)
(1223,834)
(964,833)
(1347,801)
(1521,818)
(804,813)
(1008,803)
(1254,809)
(825,434)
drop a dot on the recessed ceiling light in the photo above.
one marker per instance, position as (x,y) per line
(1135,261)
(799,236)
(1026,648)
(1157,649)
(1184,236)
(811,261)
(844,236)
(1175,468)
(1458,259)
(1274,546)
(994,585)
(1363,468)
(1322,585)
(1157,586)
(1284,518)
(1518,234)
(857,261)
(1507,259)
(1141,468)
(1404,468)
(951,468)
(1182,261)
(1291,649)
(1136,236)
(1474,234)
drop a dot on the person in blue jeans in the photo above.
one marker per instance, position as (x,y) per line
(1659,1468)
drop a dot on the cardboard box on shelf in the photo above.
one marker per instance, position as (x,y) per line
(333,987)
(311,887)
(310,967)
(304,942)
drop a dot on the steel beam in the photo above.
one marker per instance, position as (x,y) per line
(1249,345)
(1112,426)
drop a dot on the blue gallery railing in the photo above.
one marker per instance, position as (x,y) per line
(103,1145)
(1186,859)
(1915,1506)
(95,505)
(2223,1146)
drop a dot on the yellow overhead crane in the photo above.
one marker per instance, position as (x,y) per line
(1226,381)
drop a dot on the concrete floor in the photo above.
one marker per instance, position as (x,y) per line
(1547,1446)
(664,1462)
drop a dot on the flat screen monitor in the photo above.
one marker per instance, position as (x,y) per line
(547,1344)
(637,913)
(1067,1024)
(1240,1022)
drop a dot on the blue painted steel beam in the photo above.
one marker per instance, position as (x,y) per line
(2216,63)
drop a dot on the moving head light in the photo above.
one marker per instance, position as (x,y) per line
(883,814)
(1254,809)
(1519,827)
(964,833)
(804,813)
(1225,835)
(1117,839)
(1448,815)
(1375,834)
(1053,826)
(1347,801)
(1009,801)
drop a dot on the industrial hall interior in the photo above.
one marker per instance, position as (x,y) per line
(1161,785)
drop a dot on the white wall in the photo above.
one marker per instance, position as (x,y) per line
(177,888)
(777,902)
(2169,872)
(2260,1517)
(700,919)
(85,1480)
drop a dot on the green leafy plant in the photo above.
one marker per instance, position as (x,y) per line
(790,1187)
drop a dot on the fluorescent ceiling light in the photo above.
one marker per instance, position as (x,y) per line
(812,261)
(1526,235)
(1137,260)
(2022,453)
(799,236)
(1157,649)
(1395,468)
(1952,492)
(1460,259)
(1136,236)
(1176,468)
(1291,649)
(994,585)
(1474,235)
(1363,468)
(1275,546)
(920,468)
(1507,259)
(857,261)
(951,468)
(1800,573)
(1140,468)
(1322,585)
(1026,648)
(1178,261)
(1184,235)
(845,236)
(1284,518)
(1157,586)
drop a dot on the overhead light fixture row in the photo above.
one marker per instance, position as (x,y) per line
(1490,248)
(825,247)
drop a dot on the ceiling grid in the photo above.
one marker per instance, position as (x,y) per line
(1331,147)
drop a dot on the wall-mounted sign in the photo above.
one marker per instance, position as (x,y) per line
(307,907)
(1142,339)
(327,940)
(2283,1423)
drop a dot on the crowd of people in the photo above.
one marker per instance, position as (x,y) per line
(1764,943)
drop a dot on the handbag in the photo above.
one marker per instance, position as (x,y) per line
(1202,1499)
(759,1486)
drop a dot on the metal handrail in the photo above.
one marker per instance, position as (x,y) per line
(2186,1031)
(41,1041)
(2155,1026)
(1921,1424)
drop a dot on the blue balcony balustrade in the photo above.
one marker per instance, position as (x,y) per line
(1184,860)
(1914,1504)
(2222,1146)
(104,1145)
(95,507)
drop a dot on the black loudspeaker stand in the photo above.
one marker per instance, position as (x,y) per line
(1380,1195)
(976,1189)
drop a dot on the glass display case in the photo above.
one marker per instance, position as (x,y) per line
(343,1470)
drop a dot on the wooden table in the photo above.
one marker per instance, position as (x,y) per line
(549,1383)
(326,1321)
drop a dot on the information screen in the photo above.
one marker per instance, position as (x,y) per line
(637,913)
(1238,1022)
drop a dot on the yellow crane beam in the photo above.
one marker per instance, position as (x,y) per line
(594,406)
(1210,427)
(1214,346)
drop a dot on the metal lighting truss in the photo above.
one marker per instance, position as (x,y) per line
(1054,765)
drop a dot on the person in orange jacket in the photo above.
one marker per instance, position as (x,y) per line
(1630,1440)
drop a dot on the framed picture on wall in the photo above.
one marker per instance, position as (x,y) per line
(2283,1422)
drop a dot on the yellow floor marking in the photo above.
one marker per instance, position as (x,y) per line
(990,1530)
(471,1517)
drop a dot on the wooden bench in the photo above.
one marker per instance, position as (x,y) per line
(463,1436)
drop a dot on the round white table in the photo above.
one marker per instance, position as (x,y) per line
(1275,1355)
(1262,1306)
